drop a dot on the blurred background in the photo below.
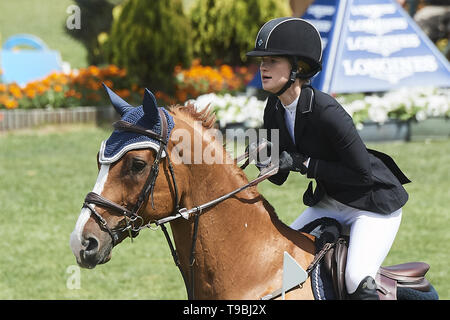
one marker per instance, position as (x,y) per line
(386,61)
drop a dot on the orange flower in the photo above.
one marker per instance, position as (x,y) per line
(30,93)
(41,89)
(112,70)
(122,73)
(46,82)
(94,70)
(15,90)
(70,93)
(226,71)
(11,104)
(2,87)
(109,83)
(94,85)
(124,93)
(3,99)
(58,88)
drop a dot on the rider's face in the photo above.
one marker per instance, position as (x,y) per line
(275,72)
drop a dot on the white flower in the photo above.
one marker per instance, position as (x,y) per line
(421,115)
(378,114)
(232,109)
(420,102)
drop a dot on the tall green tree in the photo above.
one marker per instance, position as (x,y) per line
(225,30)
(96,18)
(150,38)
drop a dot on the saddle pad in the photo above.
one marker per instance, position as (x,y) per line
(321,283)
(121,142)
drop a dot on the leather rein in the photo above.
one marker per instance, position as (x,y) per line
(134,221)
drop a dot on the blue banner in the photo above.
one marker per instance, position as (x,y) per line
(379,48)
(372,45)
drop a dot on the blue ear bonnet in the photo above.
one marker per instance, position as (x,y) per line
(146,116)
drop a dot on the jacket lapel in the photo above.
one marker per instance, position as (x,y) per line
(304,108)
(284,133)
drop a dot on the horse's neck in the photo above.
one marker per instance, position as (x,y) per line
(240,240)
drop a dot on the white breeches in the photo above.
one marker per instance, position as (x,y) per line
(371,236)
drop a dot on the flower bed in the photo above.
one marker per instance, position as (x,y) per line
(234,109)
(81,87)
(221,86)
(404,104)
(199,80)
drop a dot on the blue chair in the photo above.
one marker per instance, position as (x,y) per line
(21,65)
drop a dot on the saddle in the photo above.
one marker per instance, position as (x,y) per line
(388,279)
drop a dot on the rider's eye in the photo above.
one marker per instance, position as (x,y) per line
(138,165)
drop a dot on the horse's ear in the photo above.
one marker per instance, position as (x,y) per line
(118,103)
(150,105)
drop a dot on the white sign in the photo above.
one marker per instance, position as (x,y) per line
(390,69)
(377,26)
(372,11)
(384,45)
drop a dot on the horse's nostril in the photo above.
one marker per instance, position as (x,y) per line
(91,245)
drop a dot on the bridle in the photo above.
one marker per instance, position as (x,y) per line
(134,221)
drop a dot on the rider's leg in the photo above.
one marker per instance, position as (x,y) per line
(371,238)
(325,208)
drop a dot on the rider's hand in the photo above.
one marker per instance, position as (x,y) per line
(292,162)
(262,157)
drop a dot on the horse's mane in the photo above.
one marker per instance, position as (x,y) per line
(207,117)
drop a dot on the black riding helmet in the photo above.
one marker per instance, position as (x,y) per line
(294,38)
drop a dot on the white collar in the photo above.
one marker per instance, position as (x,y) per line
(292,107)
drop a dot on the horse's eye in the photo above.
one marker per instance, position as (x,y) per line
(138,165)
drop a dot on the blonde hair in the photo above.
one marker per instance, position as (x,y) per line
(303,67)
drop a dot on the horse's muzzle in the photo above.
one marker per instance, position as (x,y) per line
(90,251)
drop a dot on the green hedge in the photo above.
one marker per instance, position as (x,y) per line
(225,30)
(149,38)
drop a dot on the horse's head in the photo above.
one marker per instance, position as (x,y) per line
(135,184)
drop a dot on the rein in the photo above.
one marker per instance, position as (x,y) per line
(134,222)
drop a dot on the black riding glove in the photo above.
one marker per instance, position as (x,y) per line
(292,162)
(262,157)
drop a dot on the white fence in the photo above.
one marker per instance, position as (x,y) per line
(22,119)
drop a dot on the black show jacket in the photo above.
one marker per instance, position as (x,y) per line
(339,161)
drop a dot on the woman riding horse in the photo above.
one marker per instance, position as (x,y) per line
(360,188)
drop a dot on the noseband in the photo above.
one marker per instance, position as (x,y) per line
(134,222)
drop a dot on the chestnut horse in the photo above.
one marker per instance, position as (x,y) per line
(239,242)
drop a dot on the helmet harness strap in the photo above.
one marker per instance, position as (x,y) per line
(292,77)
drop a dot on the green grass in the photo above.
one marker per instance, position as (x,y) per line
(45,19)
(45,174)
